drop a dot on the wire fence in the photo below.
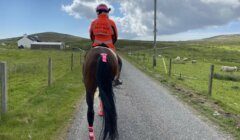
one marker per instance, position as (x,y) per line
(191,74)
(31,73)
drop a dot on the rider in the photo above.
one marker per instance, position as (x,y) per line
(103,32)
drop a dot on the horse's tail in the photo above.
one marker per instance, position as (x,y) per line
(104,81)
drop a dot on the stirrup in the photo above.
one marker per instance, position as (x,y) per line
(117,82)
(91,133)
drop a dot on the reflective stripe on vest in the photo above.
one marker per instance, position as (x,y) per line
(104,42)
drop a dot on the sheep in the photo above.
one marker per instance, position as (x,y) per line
(178,58)
(185,59)
(229,69)
(194,61)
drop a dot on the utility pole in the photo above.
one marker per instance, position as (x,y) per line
(155,34)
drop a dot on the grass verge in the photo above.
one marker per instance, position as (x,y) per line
(36,111)
(44,114)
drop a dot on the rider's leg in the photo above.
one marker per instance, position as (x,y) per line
(117,81)
(120,64)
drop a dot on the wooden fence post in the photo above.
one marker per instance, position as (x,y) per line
(72,62)
(210,80)
(170,67)
(49,71)
(3,80)
(154,62)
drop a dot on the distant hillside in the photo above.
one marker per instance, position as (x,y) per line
(57,37)
(72,41)
(125,45)
(234,38)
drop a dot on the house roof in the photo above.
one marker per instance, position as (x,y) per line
(33,38)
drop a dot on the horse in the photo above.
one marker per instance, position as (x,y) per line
(99,70)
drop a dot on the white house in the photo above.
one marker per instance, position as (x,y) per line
(26,41)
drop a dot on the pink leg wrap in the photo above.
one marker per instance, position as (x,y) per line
(91,133)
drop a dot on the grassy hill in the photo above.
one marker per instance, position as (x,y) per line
(226,38)
(72,41)
(233,39)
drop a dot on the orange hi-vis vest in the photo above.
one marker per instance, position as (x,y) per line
(103,31)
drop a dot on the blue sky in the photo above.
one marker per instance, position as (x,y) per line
(33,16)
(71,17)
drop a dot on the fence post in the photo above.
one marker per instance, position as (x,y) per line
(72,62)
(154,62)
(210,80)
(3,76)
(170,67)
(49,71)
(80,58)
(165,67)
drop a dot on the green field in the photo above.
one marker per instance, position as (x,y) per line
(36,111)
(40,112)
(193,78)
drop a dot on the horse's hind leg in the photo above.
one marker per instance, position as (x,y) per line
(90,114)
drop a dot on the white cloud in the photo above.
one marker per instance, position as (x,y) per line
(233,3)
(174,16)
(84,8)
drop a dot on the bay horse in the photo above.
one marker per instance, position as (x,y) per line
(99,70)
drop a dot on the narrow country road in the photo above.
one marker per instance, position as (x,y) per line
(147,111)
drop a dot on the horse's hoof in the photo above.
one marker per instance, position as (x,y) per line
(91,136)
(91,133)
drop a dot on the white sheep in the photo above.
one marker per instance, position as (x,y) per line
(229,68)
(185,59)
(194,61)
(178,58)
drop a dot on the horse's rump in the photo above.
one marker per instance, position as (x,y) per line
(90,65)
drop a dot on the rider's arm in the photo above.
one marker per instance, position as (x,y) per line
(115,34)
(91,32)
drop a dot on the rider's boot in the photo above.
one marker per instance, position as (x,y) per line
(117,82)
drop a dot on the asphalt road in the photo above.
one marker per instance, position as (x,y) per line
(147,111)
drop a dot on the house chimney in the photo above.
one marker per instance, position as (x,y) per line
(25,35)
